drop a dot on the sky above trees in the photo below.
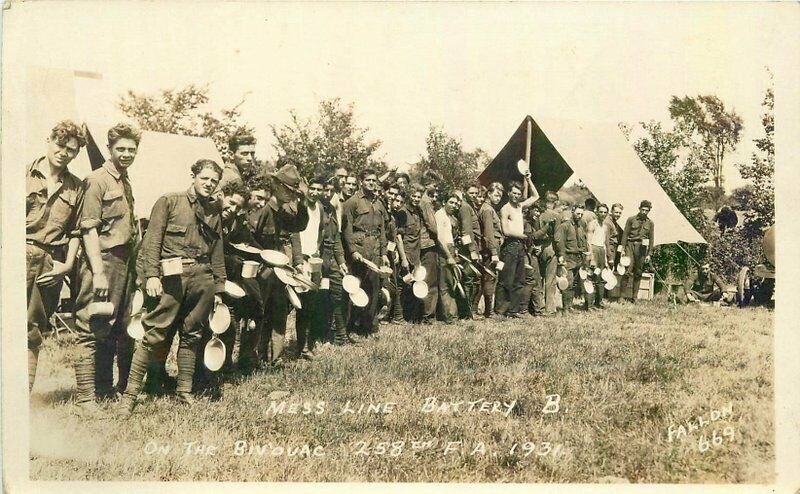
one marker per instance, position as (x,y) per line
(473,69)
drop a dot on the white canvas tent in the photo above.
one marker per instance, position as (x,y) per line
(162,163)
(601,157)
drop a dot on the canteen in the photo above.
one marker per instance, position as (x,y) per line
(233,289)
(172,266)
(351,284)
(611,283)
(137,302)
(214,354)
(250,269)
(293,298)
(359,298)
(274,257)
(621,269)
(220,319)
(625,261)
(135,328)
(562,283)
(420,289)
(420,273)
(588,286)
(607,274)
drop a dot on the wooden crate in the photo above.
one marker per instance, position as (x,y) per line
(648,287)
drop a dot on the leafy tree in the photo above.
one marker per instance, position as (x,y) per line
(760,204)
(709,128)
(334,140)
(184,112)
(445,155)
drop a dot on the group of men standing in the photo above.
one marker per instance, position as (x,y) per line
(451,255)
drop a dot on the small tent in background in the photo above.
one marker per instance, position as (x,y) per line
(162,163)
(604,161)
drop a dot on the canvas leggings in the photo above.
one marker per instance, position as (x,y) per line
(101,338)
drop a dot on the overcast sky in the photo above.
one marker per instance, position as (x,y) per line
(475,69)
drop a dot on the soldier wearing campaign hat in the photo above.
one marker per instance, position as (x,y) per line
(637,243)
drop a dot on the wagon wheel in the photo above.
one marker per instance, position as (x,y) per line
(743,292)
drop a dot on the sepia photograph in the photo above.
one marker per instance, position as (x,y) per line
(384,245)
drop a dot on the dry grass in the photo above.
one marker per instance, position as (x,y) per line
(623,378)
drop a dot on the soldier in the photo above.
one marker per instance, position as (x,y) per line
(106,270)
(364,238)
(511,282)
(243,151)
(637,242)
(349,187)
(395,201)
(572,252)
(258,199)
(492,234)
(533,303)
(613,247)
(334,268)
(277,229)
(430,245)
(707,286)
(185,227)
(467,245)
(597,238)
(409,222)
(448,228)
(51,242)
(548,262)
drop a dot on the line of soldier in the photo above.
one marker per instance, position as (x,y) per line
(476,252)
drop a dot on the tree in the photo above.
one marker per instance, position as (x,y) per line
(184,112)
(334,140)
(709,128)
(760,204)
(446,156)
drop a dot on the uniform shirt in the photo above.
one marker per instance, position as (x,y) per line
(364,228)
(705,283)
(309,236)
(278,227)
(106,203)
(230,174)
(491,229)
(427,232)
(613,237)
(50,219)
(252,218)
(549,220)
(639,229)
(408,227)
(469,225)
(570,238)
(331,249)
(182,225)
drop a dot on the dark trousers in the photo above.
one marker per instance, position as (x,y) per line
(42,302)
(633,275)
(311,320)
(101,338)
(276,310)
(429,258)
(548,265)
(447,306)
(534,297)
(364,320)
(335,307)
(511,281)
(485,290)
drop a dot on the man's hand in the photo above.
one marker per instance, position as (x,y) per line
(495,259)
(343,269)
(561,260)
(647,260)
(451,261)
(385,260)
(217,299)
(405,265)
(100,284)
(474,256)
(54,276)
(357,257)
(153,287)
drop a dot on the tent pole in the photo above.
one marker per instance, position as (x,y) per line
(528,143)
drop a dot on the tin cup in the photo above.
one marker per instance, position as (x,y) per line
(172,266)
(499,266)
(315,263)
(250,269)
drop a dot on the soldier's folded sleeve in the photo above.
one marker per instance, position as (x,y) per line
(90,204)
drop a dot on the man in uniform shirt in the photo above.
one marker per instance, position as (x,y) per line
(106,270)
(258,199)
(394,201)
(572,252)
(467,245)
(409,224)
(492,239)
(349,188)
(51,243)
(613,248)
(335,301)
(430,245)
(187,226)
(637,243)
(364,237)
(277,228)
(511,281)
(707,287)
(243,152)
(548,262)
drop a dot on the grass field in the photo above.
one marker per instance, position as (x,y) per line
(624,379)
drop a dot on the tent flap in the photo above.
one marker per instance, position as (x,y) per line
(599,155)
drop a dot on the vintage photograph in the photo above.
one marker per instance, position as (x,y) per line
(513,243)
